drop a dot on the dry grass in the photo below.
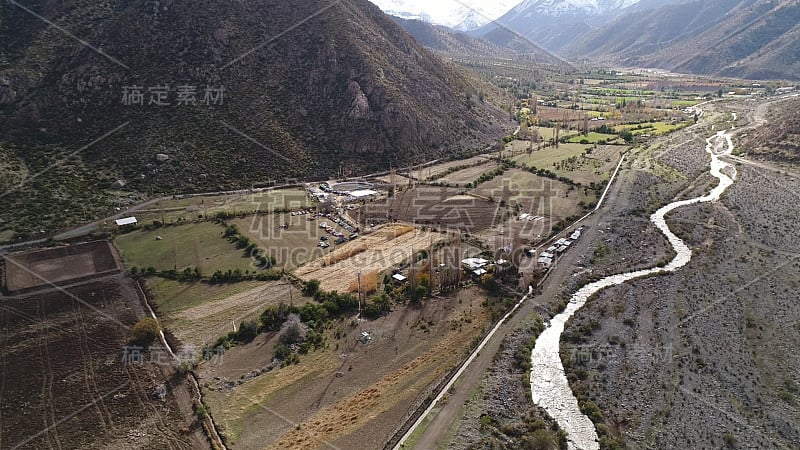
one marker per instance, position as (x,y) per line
(395,231)
(342,255)
(369,283)
(386,248)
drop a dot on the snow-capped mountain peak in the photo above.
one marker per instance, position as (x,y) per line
(457,14)
(558,8)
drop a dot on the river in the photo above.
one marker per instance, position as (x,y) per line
(549,386)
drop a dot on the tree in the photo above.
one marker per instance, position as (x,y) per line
(311,288)
(145,331)
(719,93)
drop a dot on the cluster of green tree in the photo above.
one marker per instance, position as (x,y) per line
(506,165)
(548,174)
(315,315)
(191,275)
(237,276)
(186,275)
(449,171)
(625,134)
(251,249)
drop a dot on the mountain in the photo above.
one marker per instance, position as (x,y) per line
(553,24)
(756,39)
(460,15)
(456,44)
(310,88)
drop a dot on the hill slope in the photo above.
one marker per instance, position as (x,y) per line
(554,24)
(741,38)
(503,43)
(309,88)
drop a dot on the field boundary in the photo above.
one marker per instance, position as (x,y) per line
(14,264)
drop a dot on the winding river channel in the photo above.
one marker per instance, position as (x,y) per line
(549,386)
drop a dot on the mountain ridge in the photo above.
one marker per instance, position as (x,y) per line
(324,98)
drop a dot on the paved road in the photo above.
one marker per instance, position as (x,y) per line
(435,435)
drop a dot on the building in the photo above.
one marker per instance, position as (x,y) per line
(473,264)
(545,261)
(397,278)
(126,221)
(363,194)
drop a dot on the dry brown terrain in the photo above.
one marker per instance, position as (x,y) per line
(351,394)
(59,265)
(63,381)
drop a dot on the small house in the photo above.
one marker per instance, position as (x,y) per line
(126,221)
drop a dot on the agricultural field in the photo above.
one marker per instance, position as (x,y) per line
(438,170)
(438,207)
(548,157)
(546,134)
(199,245)
(66,384)
(190,208)
(468,175)
(652,128)
(595,138)
(199,313)
(548,201)
(353,393)
(381,250)
(60,265)
(595,167)
(292,245)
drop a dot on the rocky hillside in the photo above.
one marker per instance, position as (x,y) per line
(756,39)
(500,43)
(778,140)
(308,89)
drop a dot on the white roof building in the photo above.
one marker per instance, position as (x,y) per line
(399,278)
(475,263)
(364,193)
(545,261)
(126,221)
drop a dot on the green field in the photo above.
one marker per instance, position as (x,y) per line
(594,138)
(685,103)
(546,158)
(652,128)
(547,134)
(198,245)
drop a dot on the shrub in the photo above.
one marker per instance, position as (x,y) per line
(146,331)
(311,288)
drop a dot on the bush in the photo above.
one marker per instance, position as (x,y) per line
(146,331)
(311,288)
